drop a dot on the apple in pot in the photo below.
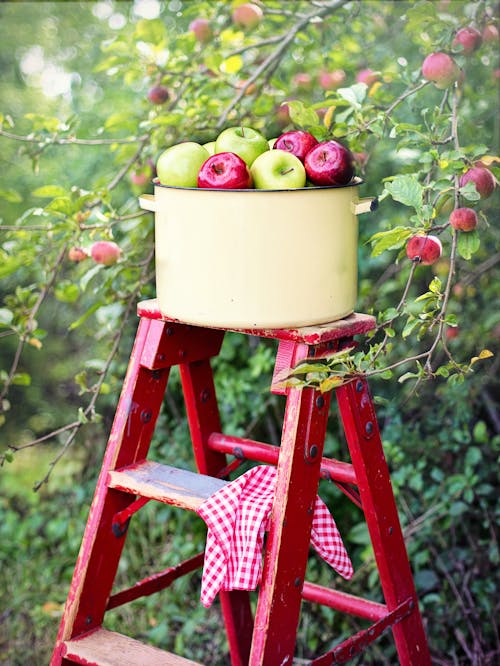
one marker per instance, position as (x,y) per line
(224,171)
(297,142)
(329,163)
(278,170)
(178,165)
(246,142)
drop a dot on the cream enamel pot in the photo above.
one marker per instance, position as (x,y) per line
(256,258)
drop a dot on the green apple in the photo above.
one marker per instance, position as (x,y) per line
(179,165)
(271,142)
(246,142)
(210,146)
(278,170)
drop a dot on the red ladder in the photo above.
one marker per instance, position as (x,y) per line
(128,480)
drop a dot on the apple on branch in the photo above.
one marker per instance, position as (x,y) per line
(224,171)
(469,38)
(424,249)
(297,142)
(158,94)
(105,252)
(246,142)
(482,178)
(247,15)
(441,69)
(278,170)
(329,163)
(463,219)
(178,165)
(201,29)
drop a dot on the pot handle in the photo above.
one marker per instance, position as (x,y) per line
(365,205)
(147,202)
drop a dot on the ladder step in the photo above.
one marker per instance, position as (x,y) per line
(163,483)
(108,648)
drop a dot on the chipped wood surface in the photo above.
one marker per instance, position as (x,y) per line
(108,648)
(165,484)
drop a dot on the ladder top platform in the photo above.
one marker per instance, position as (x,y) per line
(354,324)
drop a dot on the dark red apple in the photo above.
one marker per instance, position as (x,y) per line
(469,38)
(441,69)
(483,179)
(424,249)
(158,94)
(297,142)
(329,163)
(224,171)
(463,219)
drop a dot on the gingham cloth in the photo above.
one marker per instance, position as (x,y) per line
(237,517)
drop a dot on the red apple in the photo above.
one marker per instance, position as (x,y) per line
(441,69)
(105,252)
(77,254)
(303,81)
(483,179)
(469,39)
(158,94)
(329,163)
(424,249)
(463,219)
(297,142)
(452,332)
(283,114)
(201,29)
(331,80)
(224,171)
(490,33)
(247,15)
(367,76)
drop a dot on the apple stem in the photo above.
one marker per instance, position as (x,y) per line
(242,131)
(283,173)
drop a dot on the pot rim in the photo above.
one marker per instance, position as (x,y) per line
(353,183)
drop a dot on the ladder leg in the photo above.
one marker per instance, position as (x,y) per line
(129,441)
(203,418)
(278,608)
(363,438)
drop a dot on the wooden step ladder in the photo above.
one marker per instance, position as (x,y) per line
(128,480)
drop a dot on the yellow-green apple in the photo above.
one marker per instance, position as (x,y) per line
(424,249)
(246,142)
(297,142)
(278,170)
(105,252)
(441,69)
(463,219)
(178,165)
(201,29)
(210,146)
(482,178)
(247,15)
(469,38)
(77,254)
(158,94)
(224,171)
(329,163)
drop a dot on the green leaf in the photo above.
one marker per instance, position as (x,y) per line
(66,292)
(21,379)
(11,196)
(468,243)
(355,94)
(389,240)
(435,286)
(302,115)
(152,31)
(407,190)
(50,191)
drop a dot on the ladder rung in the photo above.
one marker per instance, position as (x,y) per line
(107,648)
(163,483)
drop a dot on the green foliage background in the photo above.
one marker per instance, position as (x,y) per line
(66,329)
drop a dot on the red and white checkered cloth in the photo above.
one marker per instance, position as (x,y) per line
(237,517)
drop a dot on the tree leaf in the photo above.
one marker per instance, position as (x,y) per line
(468,243)
(407,190)
(389,240)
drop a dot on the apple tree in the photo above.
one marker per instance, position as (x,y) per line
(95,92)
